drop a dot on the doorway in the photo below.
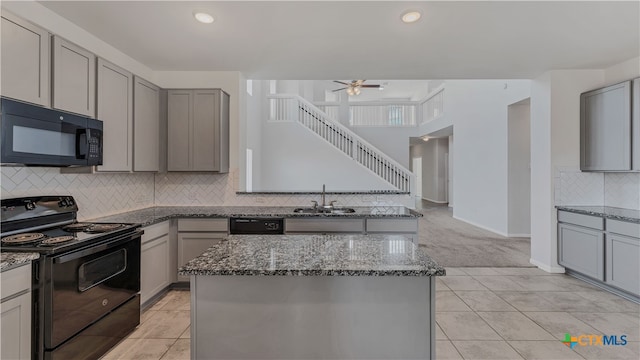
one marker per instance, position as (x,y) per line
(416,167)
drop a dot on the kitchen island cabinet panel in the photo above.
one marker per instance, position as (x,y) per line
(15,313)
(74,78)
(146,126)
(25,51)
(115,109)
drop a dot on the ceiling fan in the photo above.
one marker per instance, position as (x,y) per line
(353,88)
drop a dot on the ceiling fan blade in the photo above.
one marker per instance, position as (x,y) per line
(339,89)
(370,86)
(340,82)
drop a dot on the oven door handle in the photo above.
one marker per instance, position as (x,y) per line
(96,249)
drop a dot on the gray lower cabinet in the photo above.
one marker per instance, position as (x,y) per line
(195,236)
(15,313)
(146,125)
(198,124)
(74,78)
(25,54)
(623,262)
(155,264)
(581,249)
(323,226)
(606,250)
(115,109)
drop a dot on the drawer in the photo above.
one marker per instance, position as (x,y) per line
(155,231)
(392,226)
(623,228)
(324,226)
(195,225)
(594,222)
(16,280)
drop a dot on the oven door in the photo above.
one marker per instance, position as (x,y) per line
(88,283)
(33,135)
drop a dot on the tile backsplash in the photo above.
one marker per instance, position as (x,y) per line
(601,189)
(104,194)
(96,194)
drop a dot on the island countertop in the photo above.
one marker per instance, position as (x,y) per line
(156,214)
(314,255)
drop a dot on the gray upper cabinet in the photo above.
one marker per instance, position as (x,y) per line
(146,125)
(115,109)
(198,128)
(74,78)
(605,128)
(25,55)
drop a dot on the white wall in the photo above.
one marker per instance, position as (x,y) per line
(394,142)
(296,159)
(519,173)
(478,111)
(555,144)
(623,71)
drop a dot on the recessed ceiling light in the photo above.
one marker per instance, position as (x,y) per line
(203,17)
(411,16)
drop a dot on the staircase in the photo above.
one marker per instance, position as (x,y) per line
(293,108)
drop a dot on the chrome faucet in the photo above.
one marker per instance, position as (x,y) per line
(323,196)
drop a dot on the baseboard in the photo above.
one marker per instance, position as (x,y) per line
(482,226)
(520,235)
(547,268)
(435,201)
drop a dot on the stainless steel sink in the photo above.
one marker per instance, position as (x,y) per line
(324,210)
(342,211)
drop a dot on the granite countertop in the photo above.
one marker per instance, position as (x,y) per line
(12,260)
(314,255)
(605,211)
(156,214)
(310,192)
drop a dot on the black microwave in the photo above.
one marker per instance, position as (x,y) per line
(33,135)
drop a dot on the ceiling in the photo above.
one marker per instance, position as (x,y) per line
(366,39)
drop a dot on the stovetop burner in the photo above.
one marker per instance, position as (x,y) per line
(20,239)
(101,228)
(57,240)
(79,226)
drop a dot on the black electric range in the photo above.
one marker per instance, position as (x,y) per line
(86,283)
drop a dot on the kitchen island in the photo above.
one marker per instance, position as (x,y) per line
(313,297)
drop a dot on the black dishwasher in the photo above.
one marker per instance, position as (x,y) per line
(256,226)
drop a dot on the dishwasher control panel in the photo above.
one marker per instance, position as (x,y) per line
(256,226)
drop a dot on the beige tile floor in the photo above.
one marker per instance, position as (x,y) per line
(481,313)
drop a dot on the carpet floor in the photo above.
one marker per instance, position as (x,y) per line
(454,243)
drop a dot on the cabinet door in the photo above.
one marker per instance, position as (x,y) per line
(206,130)
(623,262)
(146,126)
(179,115)
(25,60)
(16,327)
(581,250)
(224,133)
(192,245)
(154,270)
(605,128)
(74,78)
(115,109)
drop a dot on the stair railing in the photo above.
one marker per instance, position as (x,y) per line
(287,108)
